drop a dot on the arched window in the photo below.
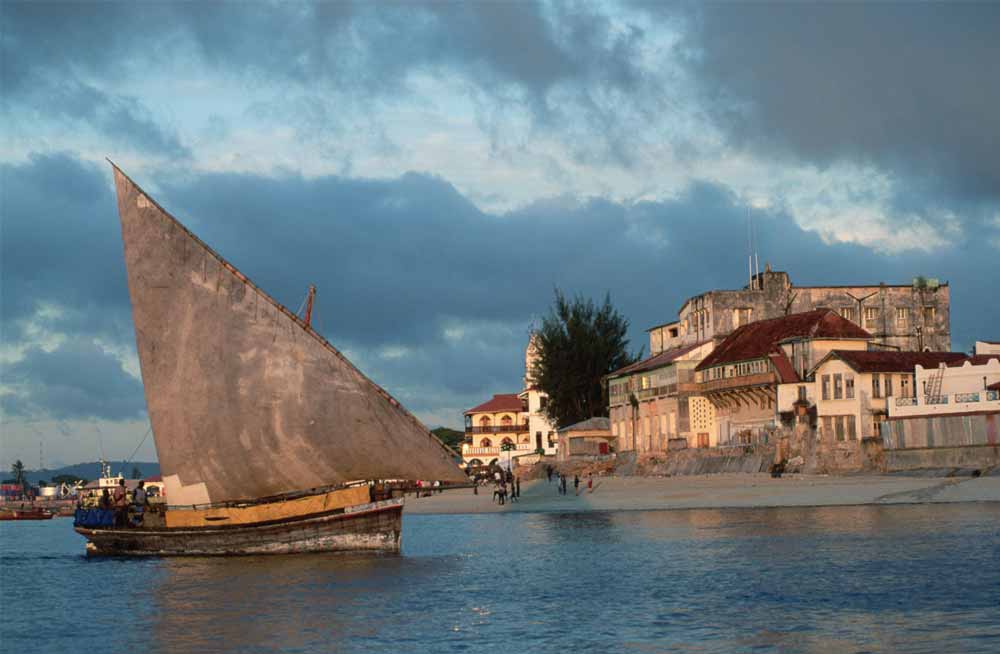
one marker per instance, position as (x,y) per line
(506,441)
(506,421)
(486,443)
(484,422)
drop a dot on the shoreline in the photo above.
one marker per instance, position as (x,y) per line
(718,491)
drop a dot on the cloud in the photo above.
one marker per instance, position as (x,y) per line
(77,380)
(910,88)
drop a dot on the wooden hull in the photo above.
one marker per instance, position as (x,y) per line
(373,527)
(26,514)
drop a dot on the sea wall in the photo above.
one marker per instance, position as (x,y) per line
(941,442)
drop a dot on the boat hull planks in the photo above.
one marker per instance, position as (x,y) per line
(373,527)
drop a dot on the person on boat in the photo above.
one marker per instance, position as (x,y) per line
(121,504)
(104,503)
(138,504)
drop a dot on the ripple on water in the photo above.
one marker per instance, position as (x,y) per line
(906,578)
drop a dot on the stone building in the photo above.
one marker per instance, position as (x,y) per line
(854,389)
(648,401)
(515,419)
(742,375)
(913,317)
(500,421)
(587,438)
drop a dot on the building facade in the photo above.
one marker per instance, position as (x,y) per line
(968,385)
(914,317)
(742,376)
(510,425)
(854,390)
(649,401)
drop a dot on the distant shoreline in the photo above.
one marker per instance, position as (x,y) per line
(721,491)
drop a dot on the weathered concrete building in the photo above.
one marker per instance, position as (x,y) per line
(915,317)
(742,375)
(648,401)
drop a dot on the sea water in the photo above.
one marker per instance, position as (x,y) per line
(843,579)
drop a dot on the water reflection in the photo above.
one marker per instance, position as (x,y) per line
(921,578)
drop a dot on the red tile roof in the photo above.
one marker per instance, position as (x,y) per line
(502,402)
(976,360)
(893,361)
(786,371)
(758,339)
(655,361)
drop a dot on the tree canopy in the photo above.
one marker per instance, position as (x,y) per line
(578,344)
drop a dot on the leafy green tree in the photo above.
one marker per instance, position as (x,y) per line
(67,479)
(579,343)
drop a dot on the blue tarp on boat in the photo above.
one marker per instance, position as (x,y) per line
(94,518)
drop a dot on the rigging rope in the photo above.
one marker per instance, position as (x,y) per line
(149,429)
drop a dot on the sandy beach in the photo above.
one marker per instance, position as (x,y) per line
(718,491)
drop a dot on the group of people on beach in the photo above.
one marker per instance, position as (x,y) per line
(561,479)
(129,508)
(505,485)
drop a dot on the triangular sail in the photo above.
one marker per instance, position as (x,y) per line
(245,400)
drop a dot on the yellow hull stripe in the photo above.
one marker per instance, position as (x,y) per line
(246,515)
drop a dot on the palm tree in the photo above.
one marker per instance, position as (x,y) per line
(18,471)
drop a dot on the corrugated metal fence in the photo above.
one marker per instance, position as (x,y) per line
(941,431)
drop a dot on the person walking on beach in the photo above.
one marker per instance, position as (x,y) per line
(590,482)
(562,484)
(548,472)
(576,484)
(503,492)
(517,487)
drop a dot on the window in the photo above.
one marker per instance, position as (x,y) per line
(876,426)
(506,421)
(742,316)
(839,425)
(484,422)
(930,313)
(852,431)
(849,313)
(904,385)
(506,441)
(826,387)
(802,394)
(838,387)
(902,317)
(876,386)
(486,443)
(849,386)
(871,317)
(888,385)
(827,426)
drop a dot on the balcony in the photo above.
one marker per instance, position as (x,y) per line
(495,451)
(498,429)
(736,383)
(945,404)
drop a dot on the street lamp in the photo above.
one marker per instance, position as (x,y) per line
(507,446)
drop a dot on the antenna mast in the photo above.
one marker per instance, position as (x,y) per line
(750,249)
(309,304)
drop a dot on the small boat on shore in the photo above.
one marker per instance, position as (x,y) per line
(269,439)
(30,513)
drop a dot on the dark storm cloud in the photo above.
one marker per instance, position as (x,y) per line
(58,57)
(399,262)
(61,246)
(909,87)
(47,52)
(76,380)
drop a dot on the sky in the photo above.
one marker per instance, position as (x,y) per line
(438,169)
